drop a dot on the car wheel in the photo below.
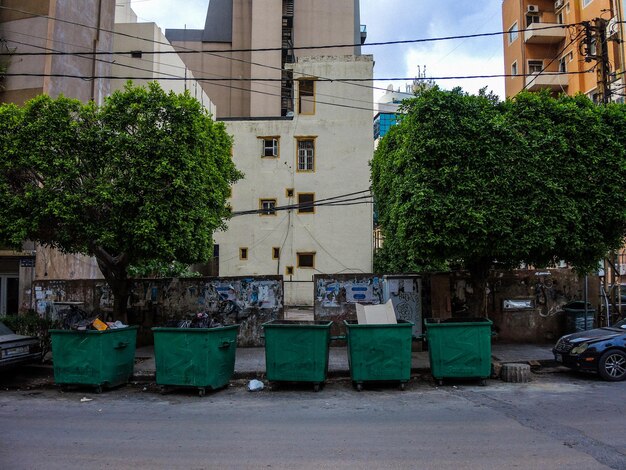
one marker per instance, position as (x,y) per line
(612,365)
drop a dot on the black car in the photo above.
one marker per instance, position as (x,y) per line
(17,349)
(601,350)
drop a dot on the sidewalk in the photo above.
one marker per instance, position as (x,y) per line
(250,362)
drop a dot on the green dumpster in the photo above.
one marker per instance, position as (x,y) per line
(195,357)
(459,348)
(576,318)
(101,359)
(297,351)
(379,352)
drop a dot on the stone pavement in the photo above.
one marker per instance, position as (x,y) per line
(250,362)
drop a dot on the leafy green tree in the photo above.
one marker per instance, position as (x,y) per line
(474,182)
(143,178)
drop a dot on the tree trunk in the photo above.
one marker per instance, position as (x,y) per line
(114,270)
(479,270)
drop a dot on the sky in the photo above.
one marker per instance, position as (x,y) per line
(392,20)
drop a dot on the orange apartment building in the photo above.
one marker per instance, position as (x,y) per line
(532,51)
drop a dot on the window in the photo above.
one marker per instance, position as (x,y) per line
(269,146)
(513,33)
(289,270)
(306,154)
(531,18)
(306,96)
(305,203)
(535,66)
(560,17)
(275,253)
(514,68)
(267,206)
(306,260)
(586,3)
(563,65)
(243,253)
(289,192)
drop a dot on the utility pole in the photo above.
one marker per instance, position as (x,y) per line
(596,49)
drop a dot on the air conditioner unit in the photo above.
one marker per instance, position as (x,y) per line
(558,4)
(533,9)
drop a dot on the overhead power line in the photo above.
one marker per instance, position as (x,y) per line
(252,79)
(268,49)
(330,201)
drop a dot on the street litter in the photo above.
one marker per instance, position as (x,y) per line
(84,399)
(255,385)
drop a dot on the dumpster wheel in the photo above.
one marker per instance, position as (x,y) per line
(317,387)
(402,386)
(201,391)
(98,389)
(359,386)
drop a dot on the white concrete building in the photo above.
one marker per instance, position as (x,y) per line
(303,160)
(300,136)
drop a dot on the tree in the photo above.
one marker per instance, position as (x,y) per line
(143,178)
(474,182)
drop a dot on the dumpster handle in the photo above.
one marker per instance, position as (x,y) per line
(225,344)
(419,337)
(338,338)
(121,345)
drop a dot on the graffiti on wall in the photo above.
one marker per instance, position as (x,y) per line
(405,295)
(333,293)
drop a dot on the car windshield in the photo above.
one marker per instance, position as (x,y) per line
(4,330)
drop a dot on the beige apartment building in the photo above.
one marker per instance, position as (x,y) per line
(532,50)
(302,134)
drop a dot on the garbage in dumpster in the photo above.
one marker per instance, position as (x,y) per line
(376,314)
(199,320)
(255,385)
(74,318)
(99,324)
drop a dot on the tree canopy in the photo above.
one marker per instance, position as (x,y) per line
(474,182)
(143,178)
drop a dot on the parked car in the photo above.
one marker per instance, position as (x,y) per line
(601,350)
(17,349)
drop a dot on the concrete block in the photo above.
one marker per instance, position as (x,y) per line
(516,373)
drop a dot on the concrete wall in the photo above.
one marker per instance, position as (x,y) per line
(37,31)
(153,67)
(340,236)
(248,302)
(543,321)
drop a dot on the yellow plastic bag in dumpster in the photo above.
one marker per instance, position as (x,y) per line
(99,325)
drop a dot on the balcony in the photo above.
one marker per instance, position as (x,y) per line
(538,82)
(536,34)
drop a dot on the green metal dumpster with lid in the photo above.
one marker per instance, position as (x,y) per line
(102,359)
(459,348)
(297,351)
(380,352)
(577,318)
(195,357)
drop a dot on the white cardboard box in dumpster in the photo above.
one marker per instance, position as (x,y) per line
(383,314)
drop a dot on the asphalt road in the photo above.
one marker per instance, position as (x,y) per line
(557,421)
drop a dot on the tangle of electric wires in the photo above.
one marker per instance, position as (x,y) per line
(355,198)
